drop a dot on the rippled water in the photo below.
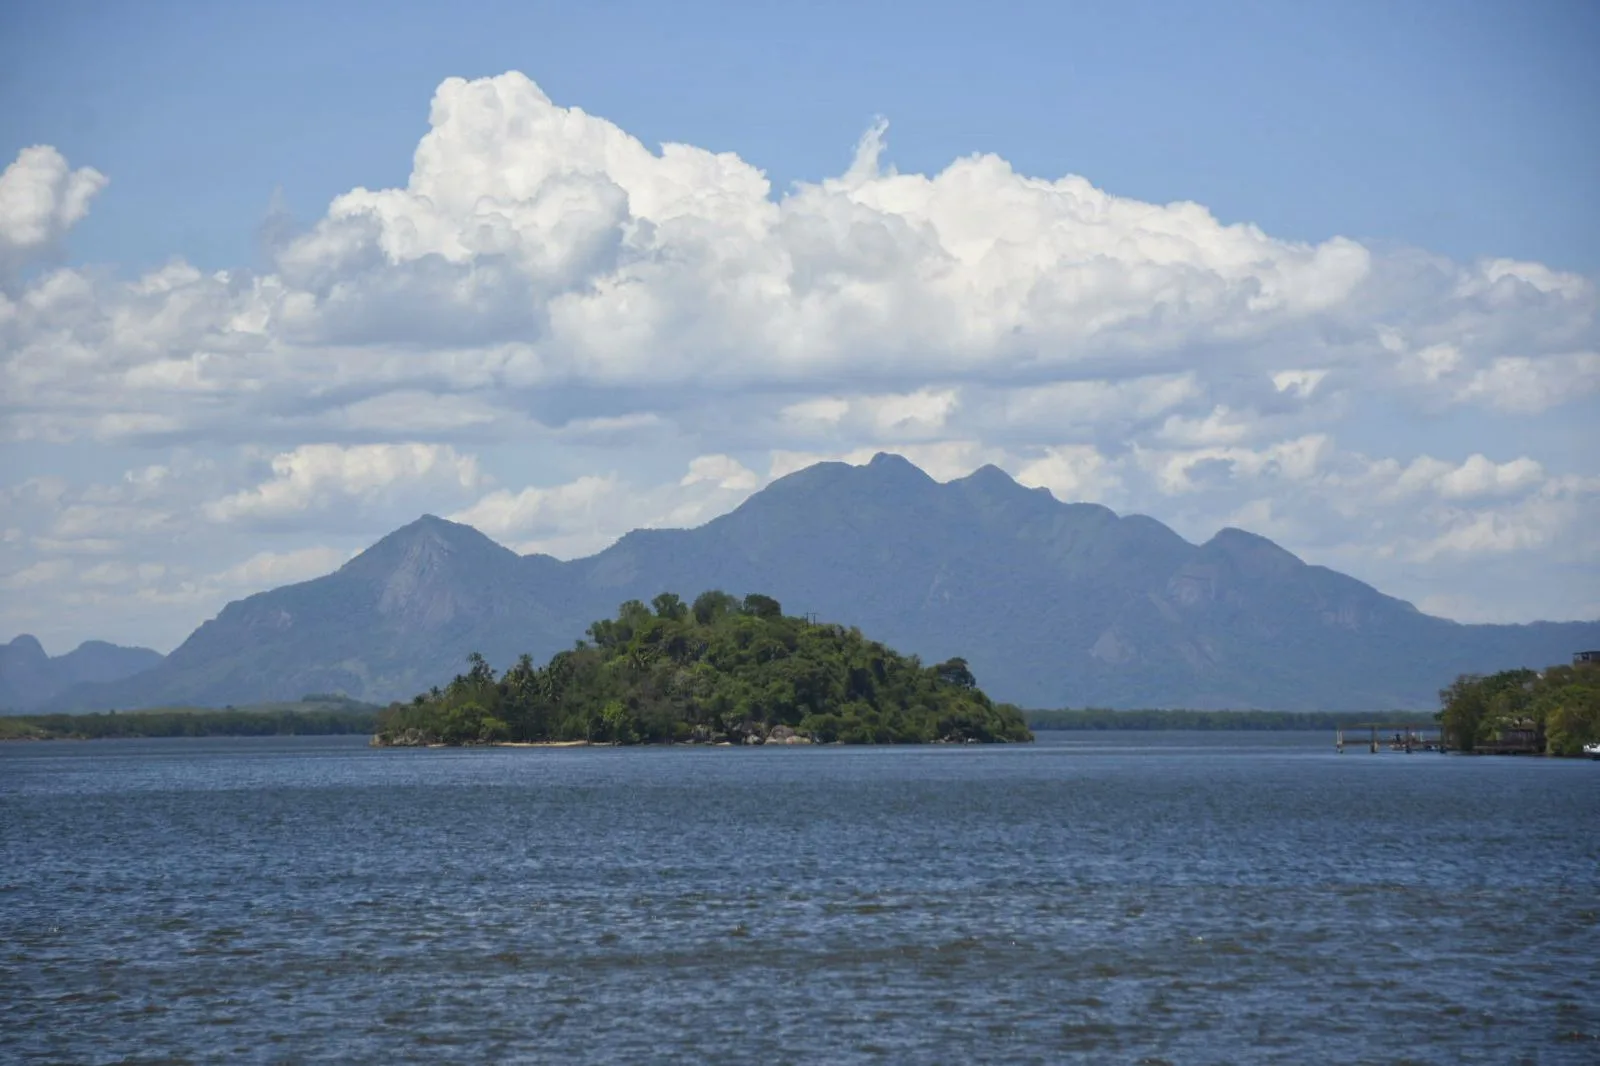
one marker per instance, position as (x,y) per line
(1109,897)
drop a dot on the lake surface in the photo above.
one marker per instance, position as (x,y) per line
(1103,897)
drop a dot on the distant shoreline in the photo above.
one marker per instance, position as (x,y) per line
(329,716)
(1095,718)
(349,717)
(798,743)
(359,720)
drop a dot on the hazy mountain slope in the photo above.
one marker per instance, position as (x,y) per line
(1053,604)
(1057,604)
(29,678)
(394,620)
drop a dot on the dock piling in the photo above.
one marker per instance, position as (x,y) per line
(1407,737)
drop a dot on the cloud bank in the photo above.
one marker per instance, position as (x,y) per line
(557,333)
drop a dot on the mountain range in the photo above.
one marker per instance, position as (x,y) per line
(1053,604)
(30,678)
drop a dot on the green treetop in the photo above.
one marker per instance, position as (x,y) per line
(719,669)
(1560,704)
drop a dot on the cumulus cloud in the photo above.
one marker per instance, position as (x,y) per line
(121,573)
(43,572)
(1195,469)
(1520,385)
(1065,408)
(586,515)
(320,475)
(265,570)
(890,416)
(723,471)
(41,198)
(1075,472)
(627,335)
(941,460)
(1298,382)
(537,246)
(533,511)
(1477,476)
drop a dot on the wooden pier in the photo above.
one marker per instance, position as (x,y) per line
(1380,736)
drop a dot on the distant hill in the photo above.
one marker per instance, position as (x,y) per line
(1053,604)
(29,678)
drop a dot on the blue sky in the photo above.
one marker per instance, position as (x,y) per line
(1433,433)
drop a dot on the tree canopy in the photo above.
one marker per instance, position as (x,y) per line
(720,669)
(1151,719)
(323,714)
(1561,705)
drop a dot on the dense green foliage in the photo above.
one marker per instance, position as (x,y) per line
(1560,706)
(313,716)
(1101,718)
(719,670)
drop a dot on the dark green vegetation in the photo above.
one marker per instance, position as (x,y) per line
(311,716)
(29,678)
(1556,710)
(1101,718)
(1054,604)
(721,670)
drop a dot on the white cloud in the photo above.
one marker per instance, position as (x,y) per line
(890,416)
(1472,534)
(723,471)
(1520,385)
(1288,460)
(586,515)
(265,570)
(43,572)
(924,411)
(1074,473)
(419,412)
(1474,478)
(1479,476)
(546,298)
(941,460)
(1298,382)
(536,246)
(1495,272)
(318,475)
(41,198)
(538,510)
(1220,426)
(121,573)
(89,520)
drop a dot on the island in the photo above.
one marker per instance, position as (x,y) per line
(722,670)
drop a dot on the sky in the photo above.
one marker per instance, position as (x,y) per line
(276,279)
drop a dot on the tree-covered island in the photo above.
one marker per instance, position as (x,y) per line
(720,670)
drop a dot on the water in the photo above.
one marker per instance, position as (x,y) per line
(1152,898)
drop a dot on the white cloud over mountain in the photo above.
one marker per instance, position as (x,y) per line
(316,476)
(556,333)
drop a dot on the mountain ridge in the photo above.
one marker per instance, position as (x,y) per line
(1053,603)
(30,678)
